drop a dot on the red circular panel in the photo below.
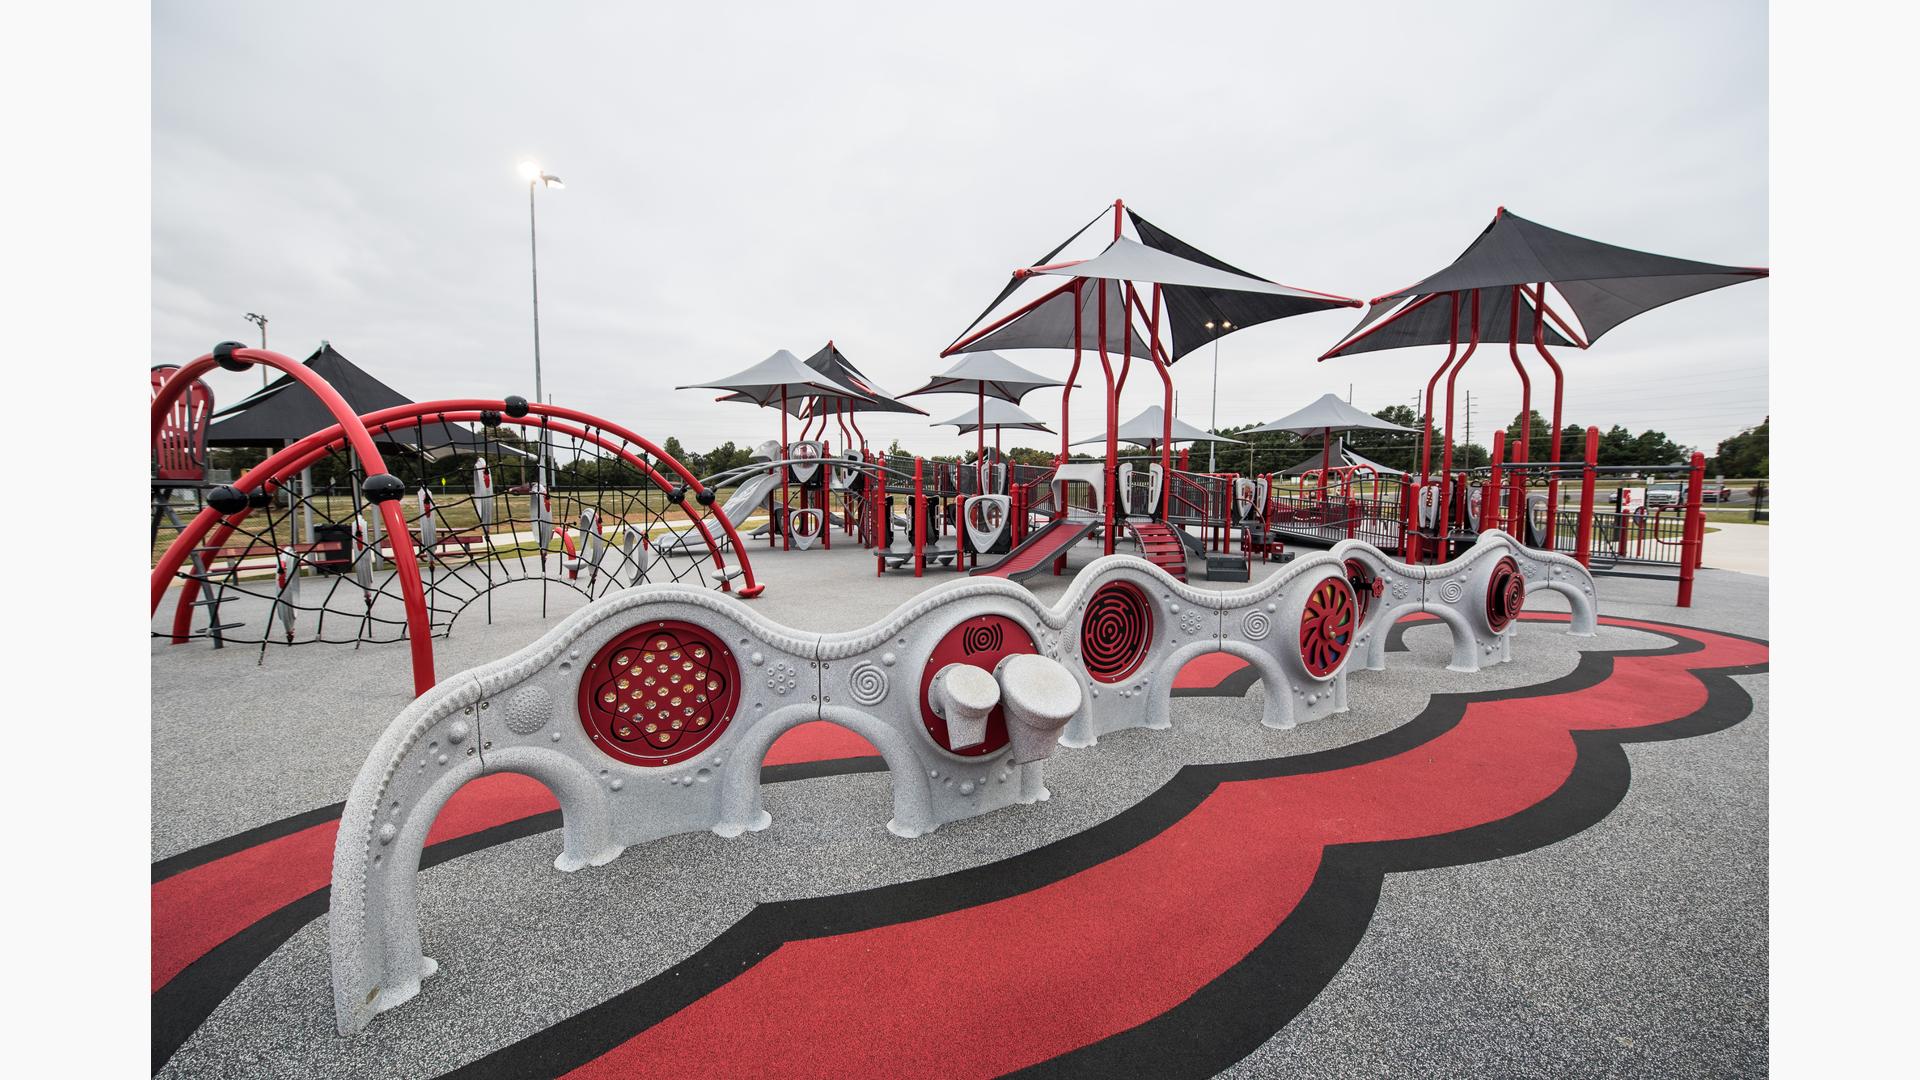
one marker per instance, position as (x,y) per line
(980,641)
(1506,594)
(1116,633)
(1366,587)
(1327,626)
(659,694)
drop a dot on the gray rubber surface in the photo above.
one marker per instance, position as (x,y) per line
(1635,948)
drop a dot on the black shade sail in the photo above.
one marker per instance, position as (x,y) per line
(1204,298)
(284,411)
(1604,285)
(866,396)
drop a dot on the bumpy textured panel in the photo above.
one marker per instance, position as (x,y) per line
(1104,658)
(1477,596)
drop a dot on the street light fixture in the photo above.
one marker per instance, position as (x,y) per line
(261,322)
(536,177)
(1214,423)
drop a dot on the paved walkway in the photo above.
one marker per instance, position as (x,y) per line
(1742,548)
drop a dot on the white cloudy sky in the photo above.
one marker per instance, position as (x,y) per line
(750,177)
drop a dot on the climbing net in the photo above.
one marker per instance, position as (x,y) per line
(301,556)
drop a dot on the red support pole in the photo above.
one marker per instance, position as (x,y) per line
(1113,415)
(1583,539)
(960,552)
(919,523)
(1445,517)
(1517,502)
(1453,349)
(1559,388)
(786,541)
(1066,391)
(1490,494)
(826,489)
(1693,530)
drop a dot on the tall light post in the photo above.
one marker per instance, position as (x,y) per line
(261,322)
(536,177)
(1213,424)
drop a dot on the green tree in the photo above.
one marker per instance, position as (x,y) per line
(674,450)
(1744,455)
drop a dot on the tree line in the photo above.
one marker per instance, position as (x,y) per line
(1743,456)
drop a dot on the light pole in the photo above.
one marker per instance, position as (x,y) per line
(1213,424)
(261,322)
(536,177)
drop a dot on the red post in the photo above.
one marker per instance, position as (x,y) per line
(1446,450)
(1583,538)
(919,524)
(826,490)
(786,541)
(1693,530)
(1517,499)
(960,545)
(1490,516)
(1519,450)
(1559,386)
(1426,421)
(1113,415)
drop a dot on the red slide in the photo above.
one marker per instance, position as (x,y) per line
(1039,549)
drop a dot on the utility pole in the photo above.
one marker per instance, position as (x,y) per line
(261,322)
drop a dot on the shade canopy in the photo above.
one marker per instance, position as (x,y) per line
(1341,455)
(284,411)
(1603,284)
(1328,413)
(866,396)
(995,413)
(1148,428)
(986,373)
(1205,299)
(779,377)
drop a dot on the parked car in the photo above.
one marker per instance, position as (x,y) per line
(1675,494)
(1666,494)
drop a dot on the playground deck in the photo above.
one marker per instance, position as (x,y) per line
(1615,925)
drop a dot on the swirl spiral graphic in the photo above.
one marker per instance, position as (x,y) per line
(1452,591)
(981,638)
(1257,626)
(1506,594)
(867,683)
(1116,632)
(1327,626)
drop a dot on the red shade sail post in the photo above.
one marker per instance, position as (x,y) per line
(1559,388)
(1693,531)
(1113,423)
(1445,516)
(1583,538)
(1518,449)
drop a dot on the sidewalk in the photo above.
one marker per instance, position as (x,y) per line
(1742,548)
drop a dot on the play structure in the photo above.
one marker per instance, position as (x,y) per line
(1505,286)
(650,712)
(479,494)
(1153,298)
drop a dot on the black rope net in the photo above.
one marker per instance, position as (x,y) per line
(312,563)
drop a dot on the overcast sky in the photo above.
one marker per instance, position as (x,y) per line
(743,178)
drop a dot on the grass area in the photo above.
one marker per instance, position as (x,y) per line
(1733,517)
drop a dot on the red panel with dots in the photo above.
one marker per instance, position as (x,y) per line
(659,694)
